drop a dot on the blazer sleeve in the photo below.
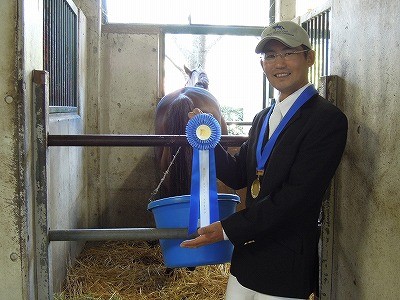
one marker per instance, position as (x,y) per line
(232,170)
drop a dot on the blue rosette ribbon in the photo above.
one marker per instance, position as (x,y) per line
(203,133)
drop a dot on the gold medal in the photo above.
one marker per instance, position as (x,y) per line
(255,188)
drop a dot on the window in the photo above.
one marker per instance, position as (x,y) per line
(318,28)
(61,54)
(188,12)
(218,35)
(233,69)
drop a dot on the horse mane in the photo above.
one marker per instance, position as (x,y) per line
(180,171)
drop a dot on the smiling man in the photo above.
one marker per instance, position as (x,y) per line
(292,153)
(281,46)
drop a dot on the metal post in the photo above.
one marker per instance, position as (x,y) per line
(327,89)
(115,140)
(118,234)
(40,127)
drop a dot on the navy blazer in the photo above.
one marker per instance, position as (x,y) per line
(275,237)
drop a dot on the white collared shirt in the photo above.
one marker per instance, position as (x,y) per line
(287,103)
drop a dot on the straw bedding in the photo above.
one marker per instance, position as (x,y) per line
(134,270)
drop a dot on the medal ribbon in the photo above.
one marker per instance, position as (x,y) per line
(203,133)
(263,155)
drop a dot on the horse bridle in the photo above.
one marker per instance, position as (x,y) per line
(202,85)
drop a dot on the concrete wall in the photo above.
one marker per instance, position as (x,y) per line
(129,76)
(21,53)
(365,54)
(68,203)
(285,10)
(12,257)
(92,11)
(67,195)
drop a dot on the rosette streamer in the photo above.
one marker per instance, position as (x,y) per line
(203,133)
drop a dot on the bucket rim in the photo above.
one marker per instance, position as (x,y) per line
(186,198)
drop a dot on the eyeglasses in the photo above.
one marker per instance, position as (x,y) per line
(286,55)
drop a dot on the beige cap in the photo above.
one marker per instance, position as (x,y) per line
(287,32)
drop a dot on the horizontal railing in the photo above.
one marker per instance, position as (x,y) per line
(118,234)
(133,140)
(114,140)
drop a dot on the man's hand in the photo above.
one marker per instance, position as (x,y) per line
(207,235)
(195,111)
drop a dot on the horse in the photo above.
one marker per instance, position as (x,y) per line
(196,77)
(171,118)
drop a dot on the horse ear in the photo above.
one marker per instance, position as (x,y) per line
(187,70)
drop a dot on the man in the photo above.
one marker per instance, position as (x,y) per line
(286,170)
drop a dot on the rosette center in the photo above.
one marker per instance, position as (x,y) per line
(203,132)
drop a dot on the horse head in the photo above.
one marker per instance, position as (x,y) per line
(197,77)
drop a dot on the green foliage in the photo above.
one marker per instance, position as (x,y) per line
(233,114)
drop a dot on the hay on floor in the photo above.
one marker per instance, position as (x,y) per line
(135,270)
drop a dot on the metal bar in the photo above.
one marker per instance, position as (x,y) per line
(68,58)
(242,123)
(328,90)
(63,62)
(323,38)
(133,140)
(118,234)
(315,65)
(213,29)
(322,41)
(271,13)
(182,29)
(52,54)
(76,64)
(40,154)
(328,36)
(320,51)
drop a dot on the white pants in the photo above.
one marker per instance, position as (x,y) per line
(236,291)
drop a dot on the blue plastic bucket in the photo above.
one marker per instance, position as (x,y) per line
(173,212)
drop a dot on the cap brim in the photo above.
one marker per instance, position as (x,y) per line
(261,44)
